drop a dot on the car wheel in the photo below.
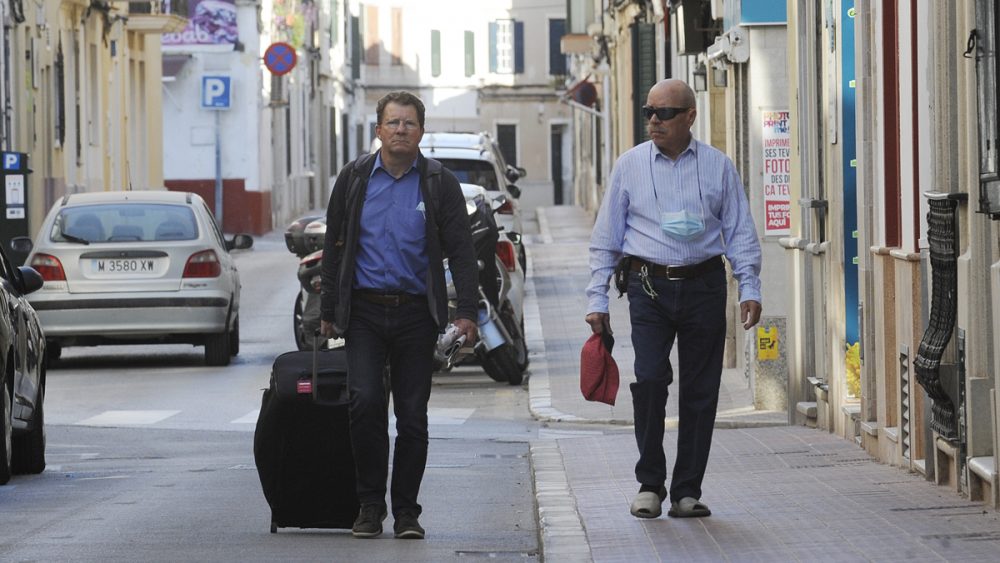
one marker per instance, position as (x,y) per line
(234,339)
(217,349)
(6,436)
(29,449)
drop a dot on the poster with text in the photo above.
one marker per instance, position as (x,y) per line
(777,173)
(211,23)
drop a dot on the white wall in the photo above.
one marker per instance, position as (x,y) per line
(189,130)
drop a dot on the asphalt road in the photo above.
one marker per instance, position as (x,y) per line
(150,456)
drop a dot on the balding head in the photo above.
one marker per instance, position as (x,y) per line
(675,90)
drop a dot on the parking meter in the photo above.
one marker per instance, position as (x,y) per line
(13,201)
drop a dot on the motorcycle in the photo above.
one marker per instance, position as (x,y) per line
(501,350)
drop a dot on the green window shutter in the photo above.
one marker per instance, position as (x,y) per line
(470,53)
(355,48)
(493,46)
(643,74)
(435,52)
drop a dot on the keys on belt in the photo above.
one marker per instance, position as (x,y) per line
(675,273)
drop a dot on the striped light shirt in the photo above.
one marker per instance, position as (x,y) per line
(645,183)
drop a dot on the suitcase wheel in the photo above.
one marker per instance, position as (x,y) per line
(274,528)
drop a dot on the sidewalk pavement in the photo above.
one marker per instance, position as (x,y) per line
(777,492)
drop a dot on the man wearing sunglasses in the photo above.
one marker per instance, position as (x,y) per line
(675,206)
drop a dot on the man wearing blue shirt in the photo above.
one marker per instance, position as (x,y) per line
(392,218)
(674,208)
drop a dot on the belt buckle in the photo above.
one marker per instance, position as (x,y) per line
(394,300)
(671,277)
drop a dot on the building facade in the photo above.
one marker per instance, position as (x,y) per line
(82,96)
(495,72)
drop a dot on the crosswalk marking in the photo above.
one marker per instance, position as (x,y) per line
(109,418)
(248,418)
(444,416)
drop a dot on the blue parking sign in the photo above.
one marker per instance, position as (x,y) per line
(216,91)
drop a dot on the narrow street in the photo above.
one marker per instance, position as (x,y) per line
(150,456)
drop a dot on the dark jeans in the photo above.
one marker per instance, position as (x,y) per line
(405,336)
(694,312)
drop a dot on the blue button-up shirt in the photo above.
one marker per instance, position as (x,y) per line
(392,247)
(644,183)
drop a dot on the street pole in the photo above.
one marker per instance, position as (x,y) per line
(218,168)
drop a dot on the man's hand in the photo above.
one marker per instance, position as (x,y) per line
(327,330)
(469,329)
(600,322)
(749,313)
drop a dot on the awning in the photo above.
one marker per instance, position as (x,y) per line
(582,92)
(172,66)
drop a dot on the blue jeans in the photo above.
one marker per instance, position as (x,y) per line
(404,336)
(692,311)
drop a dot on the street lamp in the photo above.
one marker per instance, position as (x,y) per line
(700,78)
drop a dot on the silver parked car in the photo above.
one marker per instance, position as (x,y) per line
(137,267)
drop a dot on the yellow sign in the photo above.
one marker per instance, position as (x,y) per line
(767,343)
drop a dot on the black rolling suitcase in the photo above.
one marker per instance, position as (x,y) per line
(302,444)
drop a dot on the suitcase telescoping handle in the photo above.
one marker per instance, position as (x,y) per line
(315,369)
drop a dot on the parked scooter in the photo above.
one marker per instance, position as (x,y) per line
(304,237)
(306,314)
(501,349)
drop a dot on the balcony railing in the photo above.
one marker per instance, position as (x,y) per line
(159,7)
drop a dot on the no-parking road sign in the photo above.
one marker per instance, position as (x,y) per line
(279,58)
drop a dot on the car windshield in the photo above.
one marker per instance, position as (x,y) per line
(479,172)
(125,222)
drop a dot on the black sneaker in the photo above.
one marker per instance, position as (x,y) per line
(369,521)
(406,526)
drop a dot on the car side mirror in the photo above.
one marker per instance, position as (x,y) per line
(21,245)
(241,241)
(514,191)
(515,173)
(31,280)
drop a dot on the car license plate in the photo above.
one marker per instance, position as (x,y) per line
(115,267)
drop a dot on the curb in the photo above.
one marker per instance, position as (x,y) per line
(562,536)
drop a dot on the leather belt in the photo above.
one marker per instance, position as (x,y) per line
(387,299)
(678,272)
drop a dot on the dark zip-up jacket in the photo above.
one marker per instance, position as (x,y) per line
(448,235)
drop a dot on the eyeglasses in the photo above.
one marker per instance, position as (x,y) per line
(663,114)
(396,124)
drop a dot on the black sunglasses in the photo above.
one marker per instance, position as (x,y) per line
(663,114)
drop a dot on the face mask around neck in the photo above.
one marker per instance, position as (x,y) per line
(681,225)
